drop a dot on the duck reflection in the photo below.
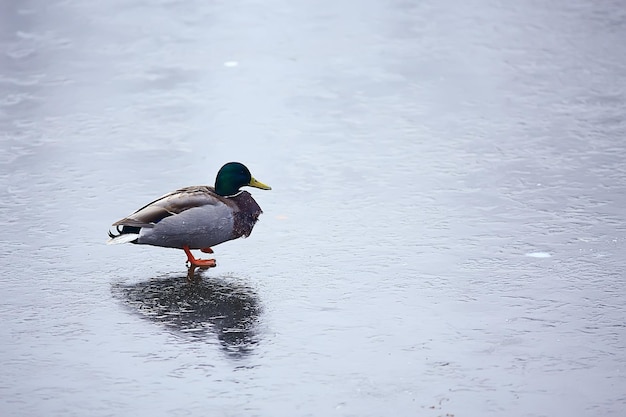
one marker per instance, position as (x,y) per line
(198,309)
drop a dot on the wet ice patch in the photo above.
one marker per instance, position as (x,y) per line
(538,255)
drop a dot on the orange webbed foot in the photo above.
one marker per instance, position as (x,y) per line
(200,263)
(206,250)
(204,263)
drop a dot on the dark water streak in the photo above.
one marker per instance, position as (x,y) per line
(198,309)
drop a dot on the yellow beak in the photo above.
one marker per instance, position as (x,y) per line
(258,184)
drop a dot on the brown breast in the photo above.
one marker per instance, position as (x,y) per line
(246,214)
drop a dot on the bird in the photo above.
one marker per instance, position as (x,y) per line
(196,217)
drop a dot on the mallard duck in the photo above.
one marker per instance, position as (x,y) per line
(196,217)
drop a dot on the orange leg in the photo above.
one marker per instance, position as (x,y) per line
(206,250)
(202,263)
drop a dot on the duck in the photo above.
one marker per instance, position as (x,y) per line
(196,217)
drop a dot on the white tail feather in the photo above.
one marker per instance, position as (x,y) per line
(124,238)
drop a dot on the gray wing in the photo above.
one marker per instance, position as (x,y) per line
(170,204)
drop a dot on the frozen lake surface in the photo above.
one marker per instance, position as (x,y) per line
(445,235)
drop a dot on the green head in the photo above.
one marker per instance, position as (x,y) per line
(234,175)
